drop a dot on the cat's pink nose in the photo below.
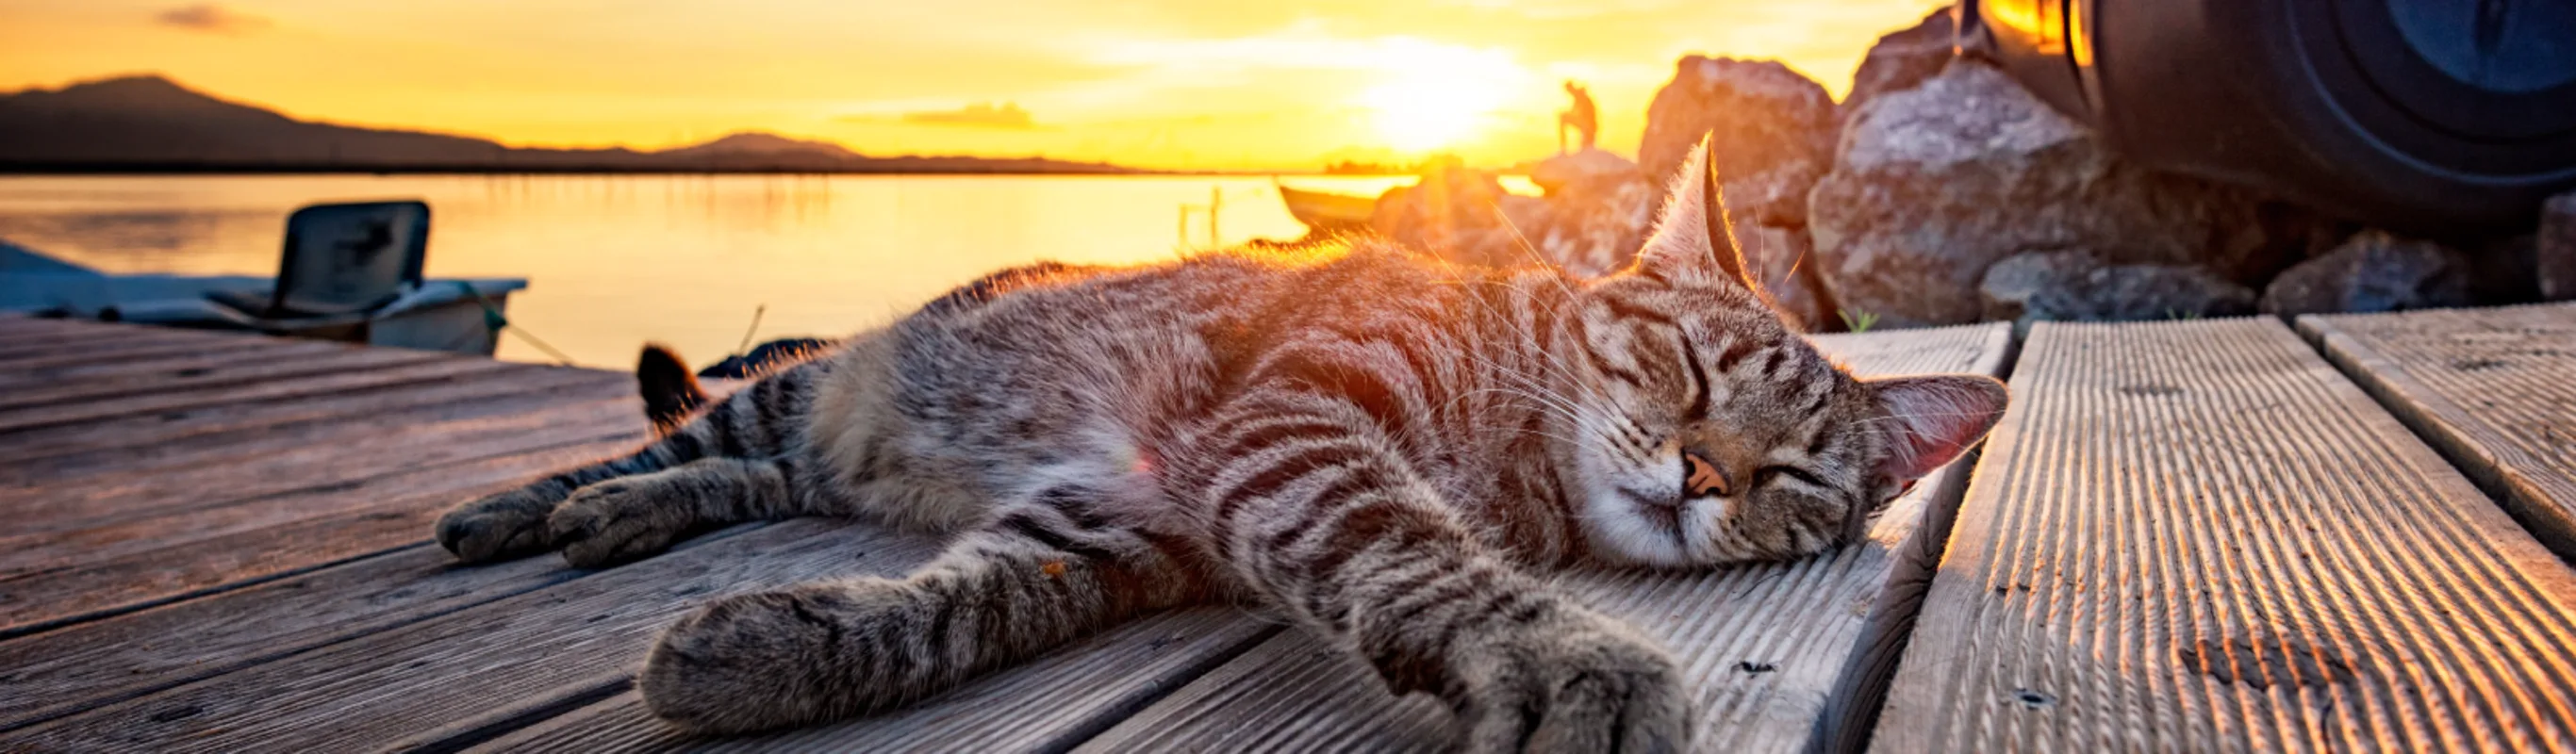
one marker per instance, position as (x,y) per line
(1701,477)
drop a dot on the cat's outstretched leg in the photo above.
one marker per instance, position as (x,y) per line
(834,649)
(631,517)
(754,423)
(1322,516)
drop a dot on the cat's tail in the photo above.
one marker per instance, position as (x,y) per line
(671,393)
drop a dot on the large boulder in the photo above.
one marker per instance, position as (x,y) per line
(1777,257)
(2372,272)
(1903,59)
(2556,248)
(1584,169)
(1933,185)
(1593,228)
(1454,213)
(2081,286)
(1773,131)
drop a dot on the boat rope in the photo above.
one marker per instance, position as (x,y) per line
(754,329)
(497,322)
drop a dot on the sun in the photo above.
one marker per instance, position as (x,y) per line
(1419,114)
(1435,97)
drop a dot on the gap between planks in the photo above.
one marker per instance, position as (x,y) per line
(2197,535)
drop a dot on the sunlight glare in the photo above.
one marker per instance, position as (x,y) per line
(1437,96)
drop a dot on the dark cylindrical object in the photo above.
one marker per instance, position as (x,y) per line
(2423,115)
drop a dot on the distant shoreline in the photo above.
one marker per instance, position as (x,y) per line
(79,169)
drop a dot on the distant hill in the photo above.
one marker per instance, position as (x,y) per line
(149,123)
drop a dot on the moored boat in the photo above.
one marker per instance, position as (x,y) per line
(1325,211)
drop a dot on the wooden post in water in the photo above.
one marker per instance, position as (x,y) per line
(1216,199)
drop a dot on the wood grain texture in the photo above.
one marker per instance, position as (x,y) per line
(490,660)
(102,662)
(266,539)
(393,413)
(35,334)
(1046,705)
(2197,536)
(2493,389)
(1765,647)
(46,512)
(261,361)
(144,344)
(95,373)
(105,441)
(285,384)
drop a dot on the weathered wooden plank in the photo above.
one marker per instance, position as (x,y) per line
(39,332)
(2197,536)
(2493,389)
(267,539)
(149,344)
(1046,705)
(396,412)
(1765,647)
(28,385)
(271,362)
(269,387)
(447,384)
(91,665)
(50,511)
(489,662)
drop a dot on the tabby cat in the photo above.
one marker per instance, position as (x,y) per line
(1394,453)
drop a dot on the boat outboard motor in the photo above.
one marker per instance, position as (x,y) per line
(2432,116)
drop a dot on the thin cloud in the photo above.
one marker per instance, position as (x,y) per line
(212,19)
(1007,115)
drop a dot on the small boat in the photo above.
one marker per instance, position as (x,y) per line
(1325,211)
(350,272)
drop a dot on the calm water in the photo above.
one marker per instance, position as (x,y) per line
(613,262)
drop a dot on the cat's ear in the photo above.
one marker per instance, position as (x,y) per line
(1931,420)
(1693,241)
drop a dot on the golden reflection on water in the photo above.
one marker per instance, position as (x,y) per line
(614,261)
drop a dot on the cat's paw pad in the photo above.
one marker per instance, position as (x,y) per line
(1586,684)
(742,663)
(499,526)
(617,520)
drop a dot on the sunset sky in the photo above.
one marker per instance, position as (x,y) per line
(1151,83)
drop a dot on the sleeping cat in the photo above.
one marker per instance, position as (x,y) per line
(1394,453)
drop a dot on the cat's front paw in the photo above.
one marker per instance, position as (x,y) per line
(1578,682)
(499,526)
(770,659)
(618,520)
(731,666)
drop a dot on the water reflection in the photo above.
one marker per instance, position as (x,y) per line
(614,261)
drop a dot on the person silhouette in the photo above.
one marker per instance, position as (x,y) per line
(1582,117)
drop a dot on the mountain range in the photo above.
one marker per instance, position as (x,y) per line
(149,123)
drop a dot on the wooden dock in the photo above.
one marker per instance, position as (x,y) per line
(2351,533)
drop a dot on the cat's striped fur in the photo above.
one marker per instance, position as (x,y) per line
(1390,451)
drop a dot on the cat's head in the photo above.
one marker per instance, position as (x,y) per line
(1706,431)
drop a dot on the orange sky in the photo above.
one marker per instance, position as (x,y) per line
(1151,83)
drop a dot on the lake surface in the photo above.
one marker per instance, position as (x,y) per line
(615,261)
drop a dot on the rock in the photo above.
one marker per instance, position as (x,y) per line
(2557,248)
(2081,286)
(1586,168)
(1593,228)
(1454,213)
(1934,184)
(1774,133)
(2372,272)
(1902,60)
(1778,259)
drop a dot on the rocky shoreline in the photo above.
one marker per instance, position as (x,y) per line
(1941,192)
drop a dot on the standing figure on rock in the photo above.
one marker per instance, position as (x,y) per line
(1585,121)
